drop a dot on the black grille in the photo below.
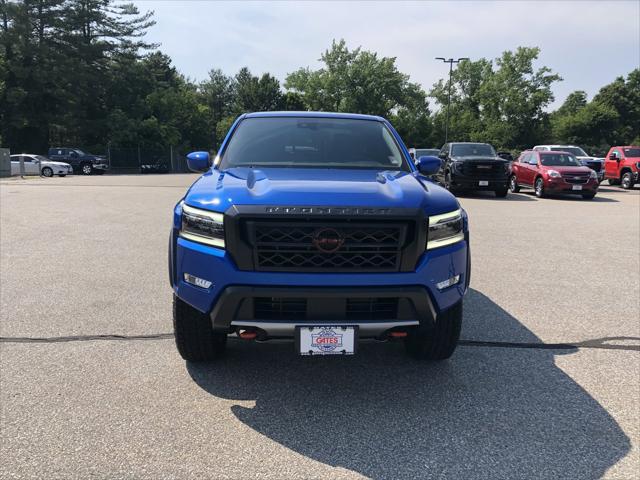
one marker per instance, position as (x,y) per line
(352,309)
(268,308)
(311,246)
(595,166)
(483,169)
(576,177)
(372,308)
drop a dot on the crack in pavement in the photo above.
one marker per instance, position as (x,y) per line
(598,343)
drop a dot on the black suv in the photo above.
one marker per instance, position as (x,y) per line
(473,166)
(85,163)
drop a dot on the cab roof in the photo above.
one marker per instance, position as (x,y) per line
(352,116)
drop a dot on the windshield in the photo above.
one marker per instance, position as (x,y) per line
(472,150)
(306,142)
(427,152)
(79,152)
(632,152)
(577,151)
(559,160)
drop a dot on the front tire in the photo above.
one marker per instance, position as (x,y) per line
(627,181)
(195,338)
(539,187)
(87,169)
(47,172)
(513,184)
(588,196)
(440,342)
(502,193)
(447,183)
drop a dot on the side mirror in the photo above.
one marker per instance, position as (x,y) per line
(198,161)
(429,165)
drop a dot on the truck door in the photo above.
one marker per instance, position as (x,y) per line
(612,163)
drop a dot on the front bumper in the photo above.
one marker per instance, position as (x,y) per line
(473,183)
(560,186)
(101,166)
(225,300)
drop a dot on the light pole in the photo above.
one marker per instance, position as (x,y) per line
(450,61)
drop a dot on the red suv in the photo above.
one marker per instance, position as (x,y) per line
(621,166)
(553,172)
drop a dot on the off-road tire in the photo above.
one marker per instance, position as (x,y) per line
(195,338)
(439,342)
(513,184)
(47,172)
(627,181)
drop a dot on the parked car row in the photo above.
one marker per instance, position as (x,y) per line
(548,169)
(60,161)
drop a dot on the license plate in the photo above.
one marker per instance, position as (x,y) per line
(577,187)
(484,183)
(326,340)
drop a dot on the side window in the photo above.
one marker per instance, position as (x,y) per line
(524,158)
(27,159)
(617,153)
(533,159)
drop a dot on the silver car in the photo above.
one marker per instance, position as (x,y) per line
(39,165)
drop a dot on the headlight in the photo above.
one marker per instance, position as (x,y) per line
(593,174)
(445,229)
(202,226)
(553,174)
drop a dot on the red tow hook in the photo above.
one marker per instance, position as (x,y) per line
(247,334)
(397,334)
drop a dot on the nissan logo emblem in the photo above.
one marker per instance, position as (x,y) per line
(327,240)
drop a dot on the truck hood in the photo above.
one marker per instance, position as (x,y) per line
(219,190)
(590,159)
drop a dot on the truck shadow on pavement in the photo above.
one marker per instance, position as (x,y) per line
(485,413)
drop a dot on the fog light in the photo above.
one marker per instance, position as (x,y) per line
(448,283)
(198,282)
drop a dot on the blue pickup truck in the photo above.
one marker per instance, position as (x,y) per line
(317,228)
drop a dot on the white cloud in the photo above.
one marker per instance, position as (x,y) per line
(587,43)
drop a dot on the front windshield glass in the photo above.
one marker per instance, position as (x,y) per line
(79,152)
(307,142)
(559,160)
(577,151)
(472,150)
(427,152)
(632,152)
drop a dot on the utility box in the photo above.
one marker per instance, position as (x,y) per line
(5,163)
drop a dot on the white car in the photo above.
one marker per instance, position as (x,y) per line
(594,163)
(39,165)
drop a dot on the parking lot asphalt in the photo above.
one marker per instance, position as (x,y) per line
(545,384)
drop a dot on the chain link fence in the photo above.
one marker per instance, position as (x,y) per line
(146,160)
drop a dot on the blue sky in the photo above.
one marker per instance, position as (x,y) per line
(588,43)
